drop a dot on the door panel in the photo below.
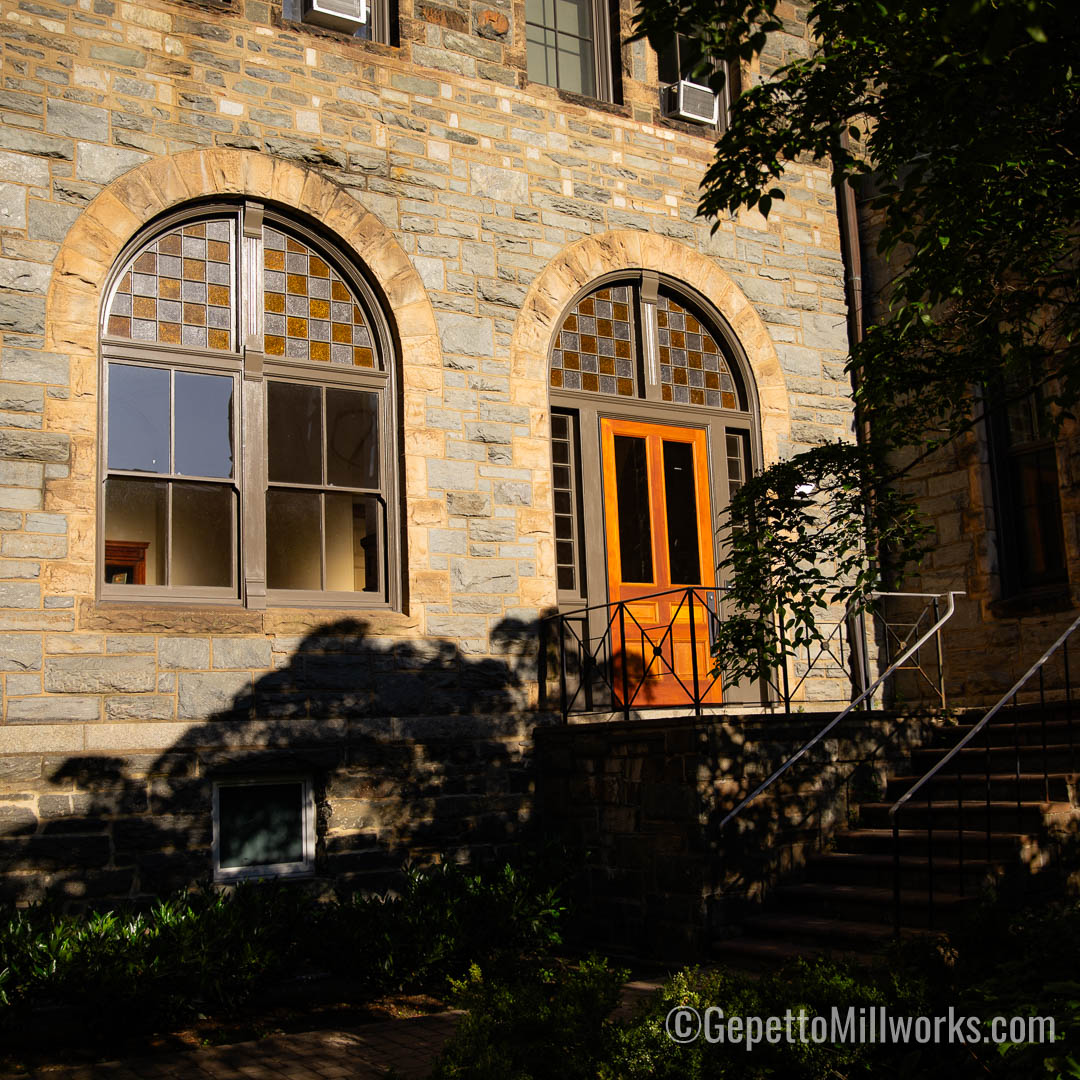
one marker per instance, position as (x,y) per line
(658,521)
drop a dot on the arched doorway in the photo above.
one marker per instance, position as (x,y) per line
(654,421)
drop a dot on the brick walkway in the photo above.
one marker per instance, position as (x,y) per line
(408,1047)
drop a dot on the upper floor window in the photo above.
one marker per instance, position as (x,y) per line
(372,20)
(568,45)
(695,88)
(247,419)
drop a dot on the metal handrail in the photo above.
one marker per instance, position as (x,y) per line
(930,774)
(867,693)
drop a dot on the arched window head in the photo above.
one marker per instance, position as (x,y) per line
(652,413)
(643,339)
(248,418)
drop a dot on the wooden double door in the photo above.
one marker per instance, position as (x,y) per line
(659,529)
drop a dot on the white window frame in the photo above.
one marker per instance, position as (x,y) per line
(306,865)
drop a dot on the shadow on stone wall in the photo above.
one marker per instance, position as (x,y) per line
(415,751)
(645,801)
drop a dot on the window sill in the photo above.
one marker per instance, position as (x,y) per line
(179,619)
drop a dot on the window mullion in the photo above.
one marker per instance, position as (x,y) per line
(650,340)
(253,430)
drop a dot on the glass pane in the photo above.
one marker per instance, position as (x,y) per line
(539,58)
(352,438)
(1037,517)
(178,289)
(693,370)
(260,824)
(295,433)
(203,441)
(293,541)
(352,543)
(575,65)
(632,495)
(202,535)
(680,498)
(310,313)
(135,531)
(138,418)
(574,17)
(594,349)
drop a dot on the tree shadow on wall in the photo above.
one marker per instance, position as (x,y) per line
(414,750)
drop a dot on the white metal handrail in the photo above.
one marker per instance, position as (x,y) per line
(867,693)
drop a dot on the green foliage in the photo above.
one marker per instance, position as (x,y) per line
(540,1023)
(791,557)
(442,919)
(962,115)
(543,1023)
(209,952)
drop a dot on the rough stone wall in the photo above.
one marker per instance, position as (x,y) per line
(644,802)
(459,186)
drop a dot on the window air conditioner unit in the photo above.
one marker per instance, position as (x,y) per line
(691,101)
(346,15)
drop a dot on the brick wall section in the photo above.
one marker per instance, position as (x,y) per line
(644,801)
(482,180)
(992,640)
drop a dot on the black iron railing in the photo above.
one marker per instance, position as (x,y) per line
(1031,743)
(609,658)
(865,696)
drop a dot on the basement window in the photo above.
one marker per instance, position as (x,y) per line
(263,828)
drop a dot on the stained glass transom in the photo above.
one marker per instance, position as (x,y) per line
(594,349)
(178,290)
(310,313)
(693,371)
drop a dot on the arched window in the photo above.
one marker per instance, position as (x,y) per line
(248,418)
(653,428)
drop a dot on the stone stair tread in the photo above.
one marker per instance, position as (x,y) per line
(948,774)
(781,926)
(869,893)
(755,951)
(906,861)
(909,834)
(1054,807)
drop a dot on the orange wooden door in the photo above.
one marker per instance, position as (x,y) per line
(658,521)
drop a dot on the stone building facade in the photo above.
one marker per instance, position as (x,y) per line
(158,695)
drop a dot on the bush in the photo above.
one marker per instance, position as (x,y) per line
(543,1022)
(209,952)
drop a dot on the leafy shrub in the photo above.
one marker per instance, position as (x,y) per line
(444,918)
(545,1022)
(208,952)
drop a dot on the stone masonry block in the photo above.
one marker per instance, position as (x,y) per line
(177,653)
(487,576)
(20,652)
(451,475)
(63,708)
(98,674)
(241,652)
(204,694)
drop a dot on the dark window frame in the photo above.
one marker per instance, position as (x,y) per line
(585,408)
(250,369)
(678,63)
(1011,453)
(603,51)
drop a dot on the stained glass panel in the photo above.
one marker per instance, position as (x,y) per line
(594,348)
(178,290)
(310,313)
(693,370)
